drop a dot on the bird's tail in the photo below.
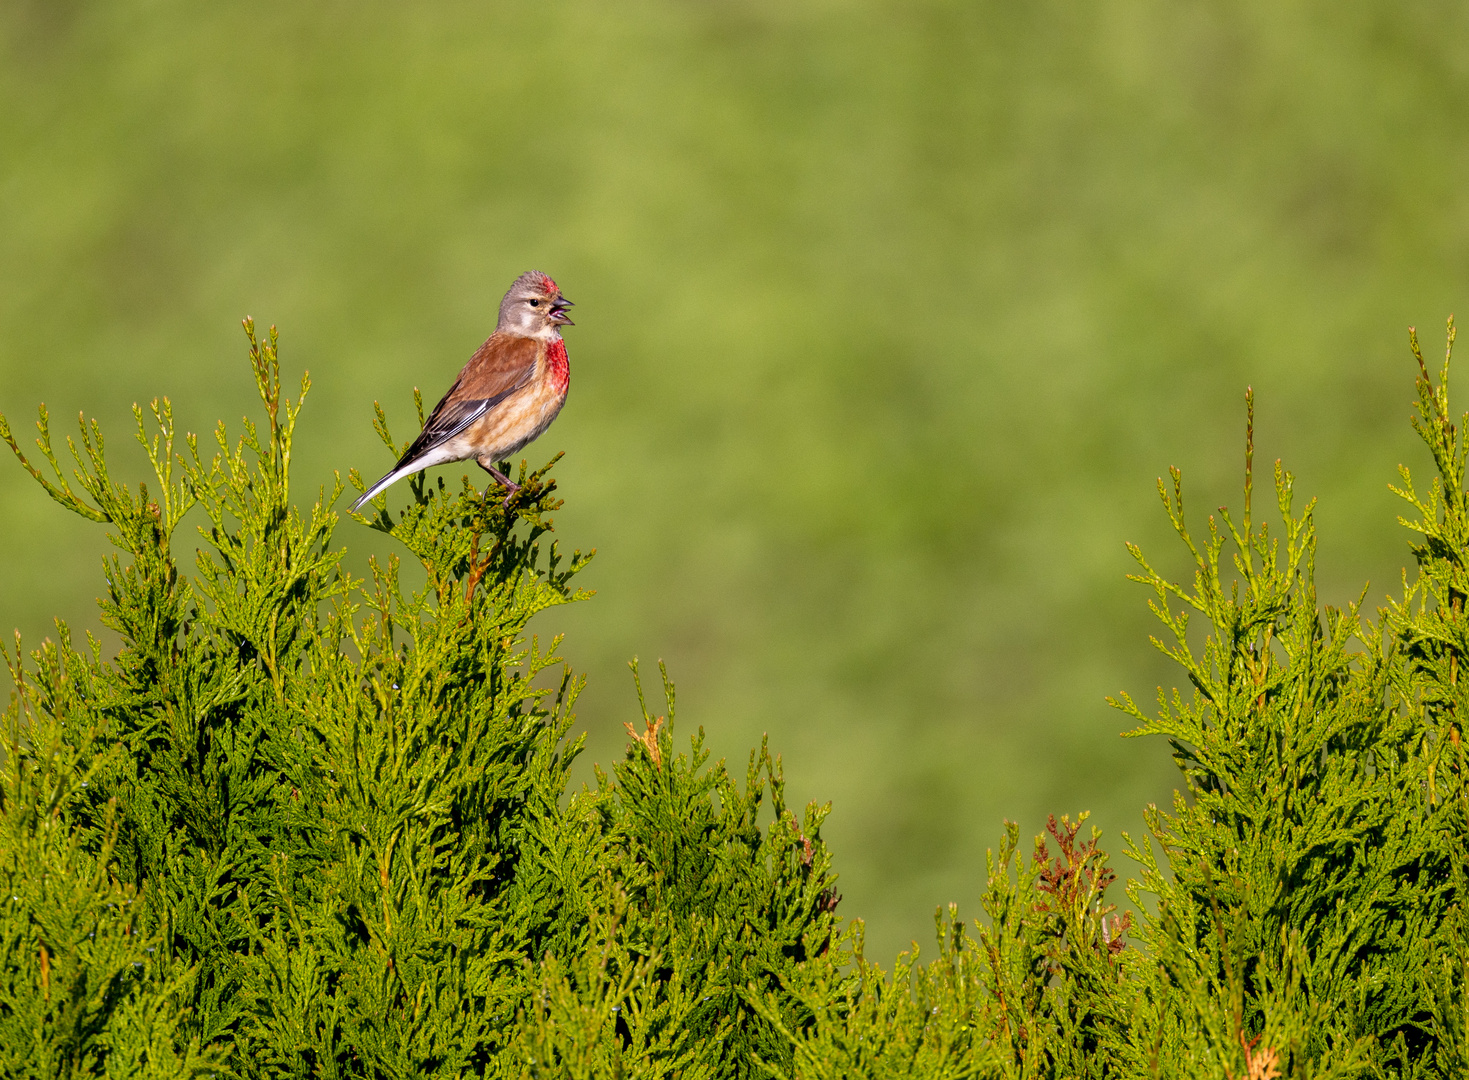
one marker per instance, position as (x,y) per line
(395,474)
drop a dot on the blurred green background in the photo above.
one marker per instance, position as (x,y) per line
(888,317)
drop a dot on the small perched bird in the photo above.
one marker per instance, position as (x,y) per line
(508,393)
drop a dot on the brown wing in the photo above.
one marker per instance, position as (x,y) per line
(501,366)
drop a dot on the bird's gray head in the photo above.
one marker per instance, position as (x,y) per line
(534,306)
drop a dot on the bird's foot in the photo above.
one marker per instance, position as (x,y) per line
(511,488)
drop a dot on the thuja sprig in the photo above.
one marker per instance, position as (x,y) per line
(1435,426)
(1254,614)
(141,519)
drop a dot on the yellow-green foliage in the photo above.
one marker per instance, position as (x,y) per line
(307,825)
(304,825)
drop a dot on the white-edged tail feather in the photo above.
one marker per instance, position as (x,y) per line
(436,456)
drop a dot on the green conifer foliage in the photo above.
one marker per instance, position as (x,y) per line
(310,825)
(1306,869)
(1301,905)
(306,825)
(83,987)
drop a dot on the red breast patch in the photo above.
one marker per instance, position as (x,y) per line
(558,368)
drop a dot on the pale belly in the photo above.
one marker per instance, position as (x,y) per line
(512,424)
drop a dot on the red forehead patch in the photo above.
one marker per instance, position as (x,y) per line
(548,284)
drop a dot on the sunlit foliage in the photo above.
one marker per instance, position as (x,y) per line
(304,824)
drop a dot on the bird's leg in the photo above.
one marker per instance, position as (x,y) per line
(510,487)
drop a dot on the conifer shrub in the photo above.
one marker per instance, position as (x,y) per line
(303,824)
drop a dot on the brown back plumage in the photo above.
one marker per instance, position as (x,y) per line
(498,368)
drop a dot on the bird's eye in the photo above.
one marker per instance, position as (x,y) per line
(535,303)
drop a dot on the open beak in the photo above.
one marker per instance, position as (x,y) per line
(558,311)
